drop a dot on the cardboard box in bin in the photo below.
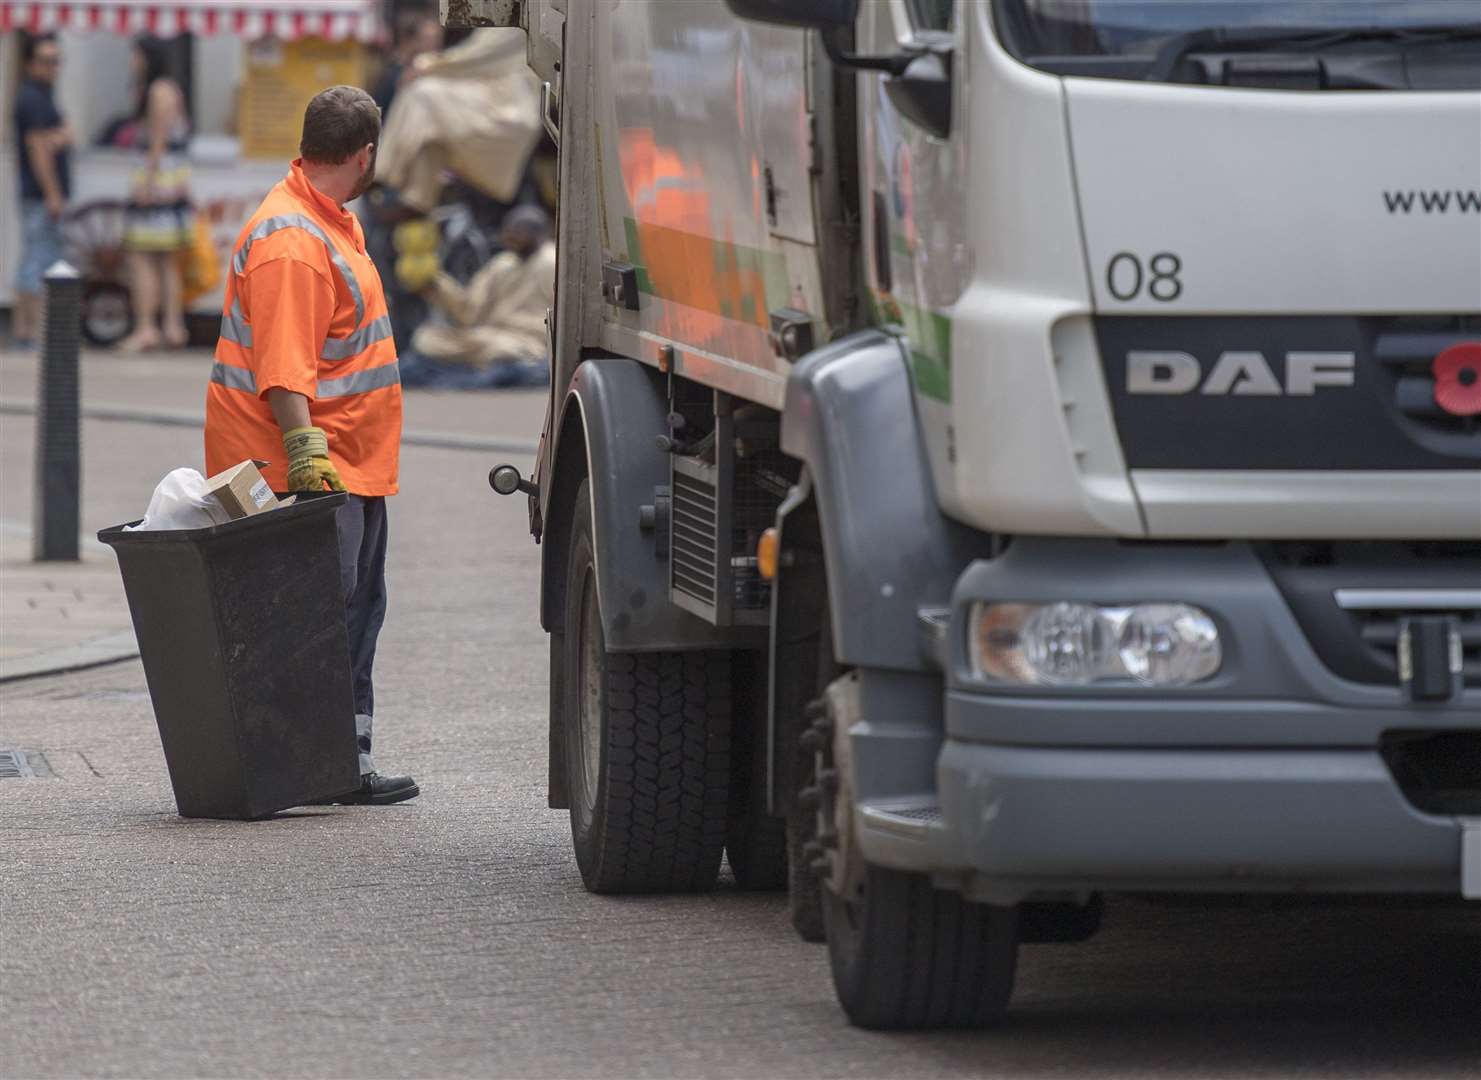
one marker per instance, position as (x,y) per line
(242,491)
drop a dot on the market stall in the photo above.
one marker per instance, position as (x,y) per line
(251,67)
(332,20)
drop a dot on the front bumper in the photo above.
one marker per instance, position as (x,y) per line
(1268,778)
(1036,819)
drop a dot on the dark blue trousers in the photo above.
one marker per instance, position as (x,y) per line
(362,569)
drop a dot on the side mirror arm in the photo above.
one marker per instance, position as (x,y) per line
(893,65)
(919,78)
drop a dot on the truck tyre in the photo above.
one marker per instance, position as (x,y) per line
(904,954)
(804,890)
(647,744)
(804,885)
(907,955)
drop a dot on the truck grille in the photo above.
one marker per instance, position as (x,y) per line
(1351,597)
(1377,625)
(693,548)
(1406,349)
(712,560)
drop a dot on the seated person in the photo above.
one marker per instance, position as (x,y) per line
(491,332)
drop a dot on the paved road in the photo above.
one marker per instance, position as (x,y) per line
(450,936)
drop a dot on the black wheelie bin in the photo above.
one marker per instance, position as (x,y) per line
(241,630)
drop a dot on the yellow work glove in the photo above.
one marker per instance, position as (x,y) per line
(309,467)
(416,272)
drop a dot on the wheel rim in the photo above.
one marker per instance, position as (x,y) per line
(589,707)
(107,316)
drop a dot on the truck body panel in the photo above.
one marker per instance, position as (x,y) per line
(704,136)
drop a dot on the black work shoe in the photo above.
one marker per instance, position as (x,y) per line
(378,790)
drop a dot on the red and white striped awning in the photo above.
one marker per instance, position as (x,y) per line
(334,20)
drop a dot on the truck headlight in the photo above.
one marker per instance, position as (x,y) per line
(1067,644)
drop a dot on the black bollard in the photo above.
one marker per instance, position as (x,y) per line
(56,516)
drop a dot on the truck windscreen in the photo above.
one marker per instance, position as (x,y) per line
(1295,44)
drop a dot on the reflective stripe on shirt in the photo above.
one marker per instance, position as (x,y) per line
(360,382)
(236,329)
(268,226)
(359,341)
(357,382)
(233,378)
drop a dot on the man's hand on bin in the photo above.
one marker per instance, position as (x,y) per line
(309,467)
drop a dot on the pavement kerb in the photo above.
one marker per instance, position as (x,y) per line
(439,440)
(104,649)
(110,649)
(87,541)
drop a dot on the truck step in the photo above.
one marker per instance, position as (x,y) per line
(914,819)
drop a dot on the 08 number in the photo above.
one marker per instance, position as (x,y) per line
(1125,276)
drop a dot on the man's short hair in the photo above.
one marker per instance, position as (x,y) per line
(339,122)
(31,42)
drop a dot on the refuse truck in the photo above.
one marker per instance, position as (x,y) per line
(1004,453)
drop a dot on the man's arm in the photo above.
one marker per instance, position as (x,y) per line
(444,292)
(40,149)
(291,304)
(473,305)
(290,410)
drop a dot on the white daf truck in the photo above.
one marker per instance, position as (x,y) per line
(1006,452)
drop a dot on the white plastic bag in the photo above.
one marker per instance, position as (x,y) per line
(180,502)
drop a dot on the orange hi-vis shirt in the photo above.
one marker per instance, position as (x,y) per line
(305,311)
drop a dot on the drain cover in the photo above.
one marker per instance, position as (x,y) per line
(20,764)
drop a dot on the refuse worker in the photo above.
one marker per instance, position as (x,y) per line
(305,374)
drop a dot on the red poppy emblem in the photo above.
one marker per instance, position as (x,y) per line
(1457,372)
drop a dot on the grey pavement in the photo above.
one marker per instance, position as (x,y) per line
(59,616)
(450,936)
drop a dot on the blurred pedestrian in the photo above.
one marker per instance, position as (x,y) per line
(415,33)
(43,142)
(305,374)
(492,332)
(160,221)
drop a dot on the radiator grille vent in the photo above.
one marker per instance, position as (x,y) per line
(1351,598)
(714,531)
(693,547)
(1378,629)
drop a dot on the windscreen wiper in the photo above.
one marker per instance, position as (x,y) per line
(1291,38)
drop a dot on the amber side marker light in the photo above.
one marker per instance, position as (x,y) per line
(766,553)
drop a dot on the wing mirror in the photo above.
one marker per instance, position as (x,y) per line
(922,92)
(920,77)
(830,18)
(810,14)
